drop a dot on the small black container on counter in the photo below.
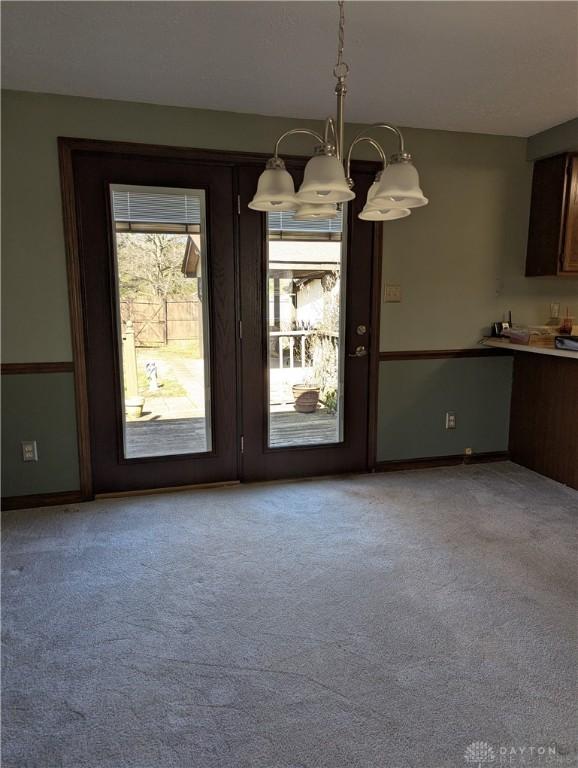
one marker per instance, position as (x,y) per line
(569,343)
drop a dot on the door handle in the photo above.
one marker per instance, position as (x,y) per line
(360,351)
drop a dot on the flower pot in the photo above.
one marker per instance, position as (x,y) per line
(133,407)
(306,398)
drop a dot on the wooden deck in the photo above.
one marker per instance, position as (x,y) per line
(169,437)
(292,428)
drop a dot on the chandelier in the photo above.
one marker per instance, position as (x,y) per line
(327,182)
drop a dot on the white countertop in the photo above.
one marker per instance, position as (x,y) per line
(533,348)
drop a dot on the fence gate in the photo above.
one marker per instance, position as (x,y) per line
(156,323)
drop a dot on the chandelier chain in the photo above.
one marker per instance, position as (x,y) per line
(341,68)
(341,32)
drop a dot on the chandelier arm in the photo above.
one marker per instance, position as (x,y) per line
(357,140)
(293,131)
(388,127)
(330,125)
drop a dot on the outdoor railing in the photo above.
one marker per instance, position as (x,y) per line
(297,340)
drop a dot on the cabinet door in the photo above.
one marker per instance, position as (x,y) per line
(570,253)
(546,233)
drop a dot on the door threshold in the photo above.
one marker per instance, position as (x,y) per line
(168,489)
(229,483)
(308,478)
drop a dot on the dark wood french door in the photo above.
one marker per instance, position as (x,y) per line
(157,235)
(323,270)
(199,323)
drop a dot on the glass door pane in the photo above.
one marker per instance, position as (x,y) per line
(306,317)
(160,264)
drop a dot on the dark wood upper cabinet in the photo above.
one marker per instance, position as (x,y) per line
(553,231)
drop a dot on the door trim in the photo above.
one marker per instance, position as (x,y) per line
(67,146)
(374,358)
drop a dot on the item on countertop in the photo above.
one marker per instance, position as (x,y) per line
(517,335)
(542,335)
(498,329)
(568,343)
(567,324)
(536,335)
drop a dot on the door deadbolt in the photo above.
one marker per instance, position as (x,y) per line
(361,330)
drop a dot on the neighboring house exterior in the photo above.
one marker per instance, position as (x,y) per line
(304,267)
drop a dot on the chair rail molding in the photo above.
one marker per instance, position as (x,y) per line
(11,369)
(433,354)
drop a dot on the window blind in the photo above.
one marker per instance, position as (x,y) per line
(156,206)
(284,221)
(176,207)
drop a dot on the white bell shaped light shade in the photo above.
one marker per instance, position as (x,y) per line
(324,182)
(275,191)
(369,213)
(372,192)
(399,187)
(312,211)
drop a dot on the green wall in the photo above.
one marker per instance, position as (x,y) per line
(464,251)
(34,270)
(560,138)
(459,262)
(414,396)
(39,407)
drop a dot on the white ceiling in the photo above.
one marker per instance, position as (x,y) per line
(489,67)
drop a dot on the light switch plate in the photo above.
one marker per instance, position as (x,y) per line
(392,293)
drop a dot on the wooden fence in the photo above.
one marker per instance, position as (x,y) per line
(157,323)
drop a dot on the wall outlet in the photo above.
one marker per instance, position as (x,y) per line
(450,420)
(392,293)
(29,450)
(555,310)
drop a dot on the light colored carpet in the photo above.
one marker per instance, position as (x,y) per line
(384,621)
